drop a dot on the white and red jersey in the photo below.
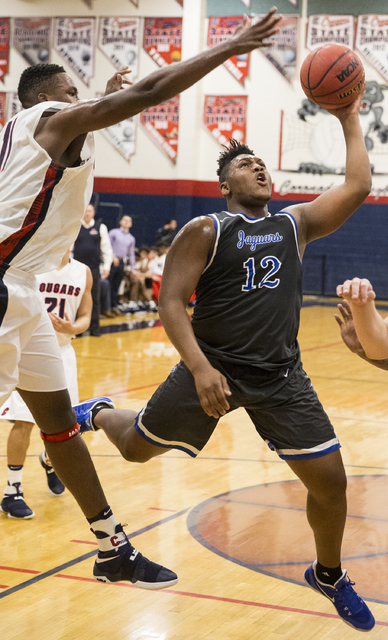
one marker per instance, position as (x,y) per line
(41,203)
(62,292)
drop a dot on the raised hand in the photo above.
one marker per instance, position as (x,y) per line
(348,330)
(249,37)
(116,82)
(358,291)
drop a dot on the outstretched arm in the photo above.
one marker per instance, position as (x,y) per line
(370,328)
(63,127)
(185,263)
(331,209)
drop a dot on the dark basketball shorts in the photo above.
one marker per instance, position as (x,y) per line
(282,405)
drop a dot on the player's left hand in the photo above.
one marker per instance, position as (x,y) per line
(358,291)
(61,325)
(348,330)
(116,82)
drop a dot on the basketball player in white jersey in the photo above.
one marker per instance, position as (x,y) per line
(46,166)
(66,292)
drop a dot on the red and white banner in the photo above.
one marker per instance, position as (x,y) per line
(162,124)
(31,38)
(225,117)
(326,29)
(118,39)
(3,100)
(13,104)
(74,41)
(282,55)
(372,41)
(163,39)
(4,46)
(180,2)
(222,28)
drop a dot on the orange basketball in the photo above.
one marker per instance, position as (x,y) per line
(332,76)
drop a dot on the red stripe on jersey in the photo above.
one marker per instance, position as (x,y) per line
(16,241)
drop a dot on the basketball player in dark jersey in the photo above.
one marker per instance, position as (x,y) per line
(241,348)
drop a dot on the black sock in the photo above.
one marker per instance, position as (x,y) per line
(328,575)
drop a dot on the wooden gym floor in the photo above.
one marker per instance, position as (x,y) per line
(231,523)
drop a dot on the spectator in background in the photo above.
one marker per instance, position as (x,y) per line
(123,247)
(167,233)
(93,247)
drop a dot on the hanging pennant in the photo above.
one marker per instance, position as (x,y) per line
(282,55)
(326,29)
(225,117)
(74,41)
(135,2)
(122,136)
(4,47)
(14,105)
(246,2)
(180,2)
(163,39)
(222,28)
(372,41)
(89,3)
(162,124)
(118,39)
(31,38)
(3,100)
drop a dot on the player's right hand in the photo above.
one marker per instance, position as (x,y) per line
(212,389)
(248,37)
(358,291)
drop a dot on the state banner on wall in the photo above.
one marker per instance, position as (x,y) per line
(135,2)
(225,117)
(3,100)
(326,29)
(122,136)
(282,55)
(162,124)
(372,41)
(31,38)
(4,47)
(163,39)
(222,28)
(118,39)
(74,41)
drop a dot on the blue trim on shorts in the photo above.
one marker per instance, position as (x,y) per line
(158,444)
(306,456)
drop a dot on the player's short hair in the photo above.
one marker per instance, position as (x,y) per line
(35,80)
(225,158)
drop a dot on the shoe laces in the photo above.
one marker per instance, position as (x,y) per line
(347,597)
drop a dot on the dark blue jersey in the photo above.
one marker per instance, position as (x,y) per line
(250,293)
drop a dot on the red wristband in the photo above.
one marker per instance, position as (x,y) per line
(62,436)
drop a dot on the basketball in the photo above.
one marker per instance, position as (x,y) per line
(332,76)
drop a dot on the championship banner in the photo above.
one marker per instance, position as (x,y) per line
(3,100)
(89,3)
(162,124)
(4,47)
(135,2)
(118,39)
(283,53)
(14,104)
(180,2)
(74,41)
(163,39)
(31,38)
(372,41)
(246,2)
(122,136)
(325,29)
(225,117)
(222,28)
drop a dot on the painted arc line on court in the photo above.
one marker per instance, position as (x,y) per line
(86,556)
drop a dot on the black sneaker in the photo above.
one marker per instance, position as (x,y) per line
(54,484)
(126,563)
(15,506)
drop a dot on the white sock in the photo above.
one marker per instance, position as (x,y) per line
(14,474)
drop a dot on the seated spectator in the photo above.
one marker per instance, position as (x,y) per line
(167,233)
